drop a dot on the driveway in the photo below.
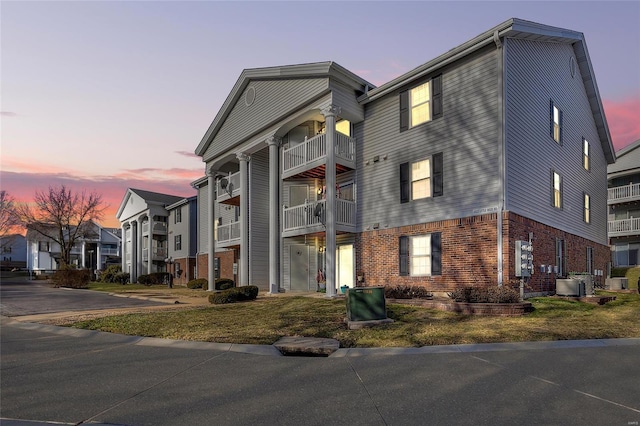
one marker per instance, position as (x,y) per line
(19,297)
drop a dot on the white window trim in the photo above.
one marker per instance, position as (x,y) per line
(556,124)
(427,102)
(587,208)
(412,256)
(558,204)
(411,180)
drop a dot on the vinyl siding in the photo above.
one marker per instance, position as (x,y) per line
(203,215)
(346,99)
(467,135)
(535,73)
(259,219)
(273,100)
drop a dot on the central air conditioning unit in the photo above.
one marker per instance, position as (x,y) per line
(570,287)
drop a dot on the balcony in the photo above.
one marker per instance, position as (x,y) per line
(230,194)
(158,228)
(302,219)
(624,227)
(228,235)
(109,251)
(308,158)
(624,194)
(158,253)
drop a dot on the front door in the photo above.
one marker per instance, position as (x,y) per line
(299,267)
(345,273)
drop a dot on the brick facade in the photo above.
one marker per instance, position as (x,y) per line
(227,259)
(469,253)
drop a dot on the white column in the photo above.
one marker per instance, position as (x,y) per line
(150,251)
(211,254)
(330,113)
(134,252)
(274,211)
(84,246)
(243,273)
(98,254)
(123,248)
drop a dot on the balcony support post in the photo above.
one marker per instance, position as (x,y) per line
(150,248)
(243,268)
(274,219)
(136,250)
(330,113)
(211,250)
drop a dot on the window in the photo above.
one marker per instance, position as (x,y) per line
(556,190)
(586,155)
(556,123)
(178,216)
(177,243)
(43,246)
(344,127)
(216,267)
(421,103)
(589,260)
(421,179)
(587,208)
(420,255)
(560,257)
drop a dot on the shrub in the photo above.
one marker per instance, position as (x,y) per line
(407,292)
(121,278)
(485,295)
(224,283)
(109,274)
(72,278)
(154,278)
(198,283)
(235,294)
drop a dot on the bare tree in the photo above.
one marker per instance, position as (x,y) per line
(63,216)
(9,220)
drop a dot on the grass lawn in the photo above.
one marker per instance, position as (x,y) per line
(265,320)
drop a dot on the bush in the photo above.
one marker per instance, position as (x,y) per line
(109,274)
(121,278)
(198,283)
(235,294)
(72,278)
(485,295)
(224,283)
(154,278)
(407,292)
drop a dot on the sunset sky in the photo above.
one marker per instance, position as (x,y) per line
(110,95)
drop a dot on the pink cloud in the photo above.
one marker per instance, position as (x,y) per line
(188,154)
(23,187)
(623,117)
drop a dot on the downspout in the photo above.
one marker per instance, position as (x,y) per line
(501,156)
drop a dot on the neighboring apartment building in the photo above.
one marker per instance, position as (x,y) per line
(624,206)
(182,242)
(95,251)
(13,251)
(144,218)
(430,179)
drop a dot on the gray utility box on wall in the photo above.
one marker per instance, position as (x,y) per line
(617,283)
(570,287)
(366,304)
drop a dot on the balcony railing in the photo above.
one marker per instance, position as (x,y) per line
(109,251)
(158,227)
(304,216)
(315,149)
(232,189)
(158,253)
(228,233)
(621,194)
(624,227)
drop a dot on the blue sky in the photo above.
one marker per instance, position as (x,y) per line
(110,95)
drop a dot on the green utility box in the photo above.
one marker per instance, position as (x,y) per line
(366,304)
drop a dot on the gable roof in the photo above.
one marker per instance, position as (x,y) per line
(516,28)
(148,196)
(287,72)
(628,161)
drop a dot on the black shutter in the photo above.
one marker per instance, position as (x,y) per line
(404,256)
(436,253)
(551,119)
(405,184)
(438,189)
(404,111)
(436,93)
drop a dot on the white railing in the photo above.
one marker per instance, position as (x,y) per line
(228,232)
(624,227)
(145,227)
(315,149)
(109,251)
(157,252)
(304,215)
(233,185)
(624,193)
(159,227)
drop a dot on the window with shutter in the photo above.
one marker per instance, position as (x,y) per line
(421,179)
(421,103)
